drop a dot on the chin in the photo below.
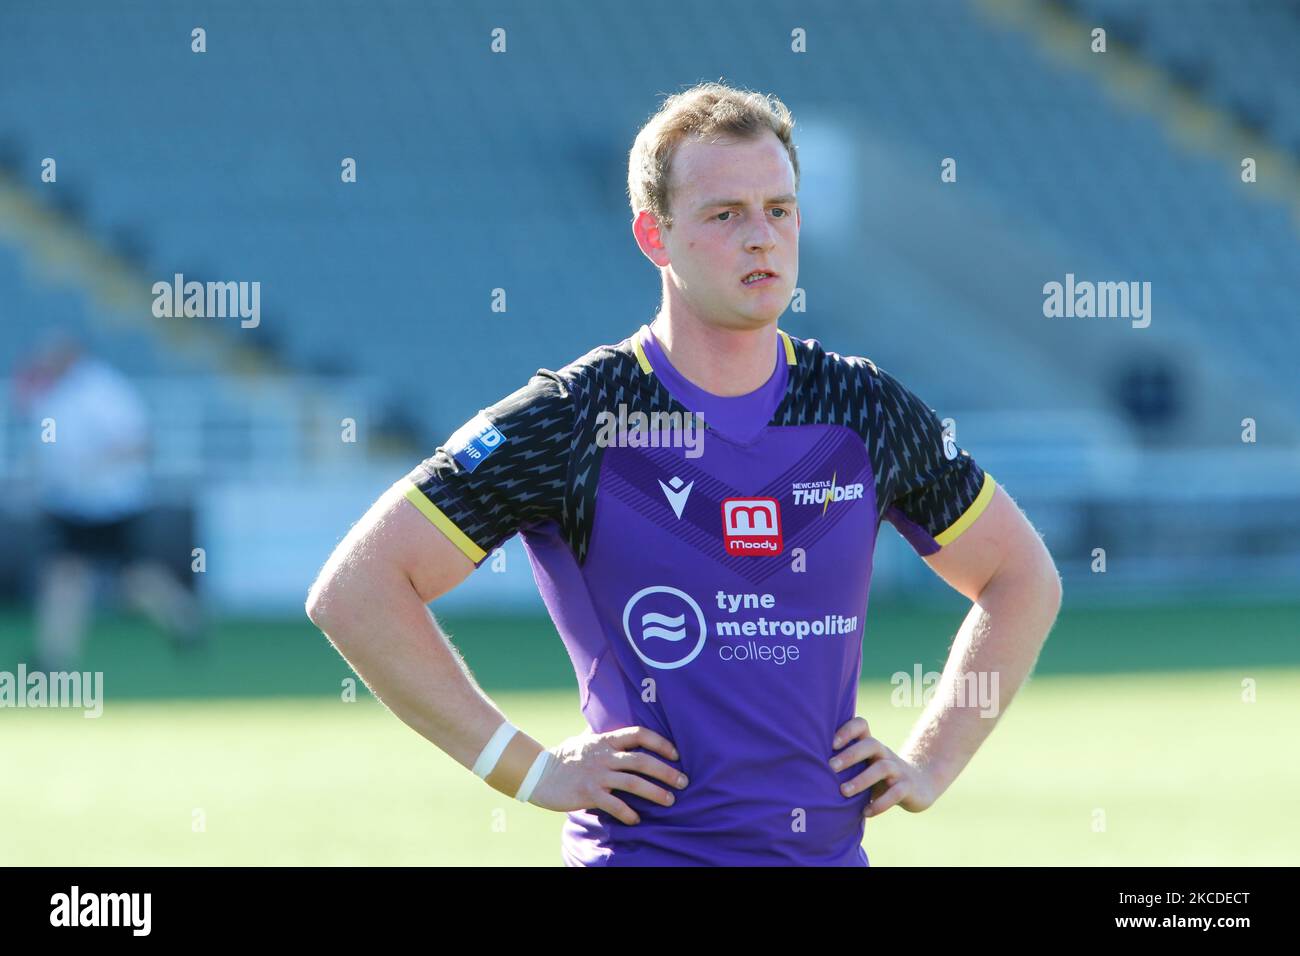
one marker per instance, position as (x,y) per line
(756,320)
(767,311)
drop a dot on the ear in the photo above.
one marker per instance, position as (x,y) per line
(649,237)
(798,220)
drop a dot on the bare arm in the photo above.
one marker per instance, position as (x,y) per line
(1001,564)
(370,600)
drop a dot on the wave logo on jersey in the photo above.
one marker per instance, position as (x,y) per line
(660,622)
(752,526)
(657,625)
(474,441)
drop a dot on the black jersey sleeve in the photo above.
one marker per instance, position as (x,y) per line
(932,489)
(503,470)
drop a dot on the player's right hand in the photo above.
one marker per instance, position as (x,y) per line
(588,768)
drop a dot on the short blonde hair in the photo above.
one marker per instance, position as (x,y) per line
(708,111)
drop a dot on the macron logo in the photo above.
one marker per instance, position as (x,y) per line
(677,495)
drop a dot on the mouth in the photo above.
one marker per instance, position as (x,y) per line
(758,277)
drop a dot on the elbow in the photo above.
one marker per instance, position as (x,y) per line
(1055,593)
(312,608)
(1042,571)
(1031,587)
(315,610)
(318,603)
(1054,586)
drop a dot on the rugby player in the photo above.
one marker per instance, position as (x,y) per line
(710,579)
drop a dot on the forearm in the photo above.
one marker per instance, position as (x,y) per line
(386,633)
(993,653)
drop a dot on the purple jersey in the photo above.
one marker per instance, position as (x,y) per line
(710,580)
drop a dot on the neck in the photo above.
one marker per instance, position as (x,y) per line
(722,361)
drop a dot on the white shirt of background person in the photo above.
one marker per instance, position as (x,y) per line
(97,467)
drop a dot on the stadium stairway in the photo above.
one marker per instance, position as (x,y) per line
(464,187)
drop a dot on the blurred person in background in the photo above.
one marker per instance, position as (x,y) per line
(92,470)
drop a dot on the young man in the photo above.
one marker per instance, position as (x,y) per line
(710,584)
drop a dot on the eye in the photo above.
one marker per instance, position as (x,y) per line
(785,214)
(726,212)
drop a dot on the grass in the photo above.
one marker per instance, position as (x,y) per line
(1132,745)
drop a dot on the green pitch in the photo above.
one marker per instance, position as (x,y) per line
(251,756)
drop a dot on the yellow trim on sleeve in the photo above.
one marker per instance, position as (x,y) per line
(444,524)
(974,511)
(640,352)
(789,348)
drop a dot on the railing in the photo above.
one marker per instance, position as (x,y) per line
(227,429)
(275,484)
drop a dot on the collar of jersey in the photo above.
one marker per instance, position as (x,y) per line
(739,418)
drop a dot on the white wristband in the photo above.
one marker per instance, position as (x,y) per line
(495,747)
(534,775)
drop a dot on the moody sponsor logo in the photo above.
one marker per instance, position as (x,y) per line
(752,526)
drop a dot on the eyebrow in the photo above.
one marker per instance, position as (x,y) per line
(740,202)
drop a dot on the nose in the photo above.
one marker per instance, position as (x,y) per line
(761,238)
(762,241)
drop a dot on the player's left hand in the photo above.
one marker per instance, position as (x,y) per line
(895,780)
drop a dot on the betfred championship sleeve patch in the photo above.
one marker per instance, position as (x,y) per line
(474,441)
